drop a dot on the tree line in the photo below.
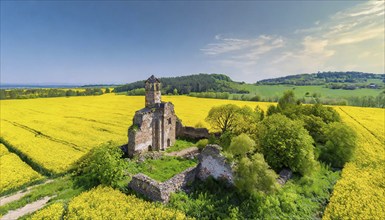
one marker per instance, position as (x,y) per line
(46,93)
(187,84)
(322,78)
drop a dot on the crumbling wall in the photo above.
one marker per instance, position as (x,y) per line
(146,186)
(152,129)
(161,192)
(169,123)
(213,163)
(140,133)
(190,132)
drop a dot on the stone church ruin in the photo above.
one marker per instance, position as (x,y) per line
(154,126)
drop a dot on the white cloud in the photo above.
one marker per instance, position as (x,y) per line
(259,45)
(352,39)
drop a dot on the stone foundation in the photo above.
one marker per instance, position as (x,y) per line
(161,192)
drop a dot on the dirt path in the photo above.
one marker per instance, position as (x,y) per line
(19,194)
(28,209)
(184,152)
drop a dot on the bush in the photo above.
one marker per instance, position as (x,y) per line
(202,143)
(327,114)
(102,165)
(241,145)
(315,126)
(225,139)
(285,143)
(340,144)
(253,175)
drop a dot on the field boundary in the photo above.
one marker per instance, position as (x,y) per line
(35,166)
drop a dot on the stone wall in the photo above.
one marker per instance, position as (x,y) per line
(153,129)
(161,192)
(146,186)
(191,132)
(213,163)
(169,123)
(140,133)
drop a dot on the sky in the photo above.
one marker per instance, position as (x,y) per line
(87,42)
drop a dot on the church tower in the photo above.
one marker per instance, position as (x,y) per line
(153,95)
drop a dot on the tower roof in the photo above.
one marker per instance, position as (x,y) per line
(152,79)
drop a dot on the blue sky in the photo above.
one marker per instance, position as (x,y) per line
(123,41)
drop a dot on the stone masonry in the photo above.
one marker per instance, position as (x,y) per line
(161,192)
(153,127)
(213,164)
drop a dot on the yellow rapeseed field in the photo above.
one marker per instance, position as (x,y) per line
(55,132)
(13,171)
(360,193)
(107,203)
(51,212)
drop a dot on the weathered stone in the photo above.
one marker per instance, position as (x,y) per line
(284,176)
(161,192)
(213,163)
(190,132)
(153,127)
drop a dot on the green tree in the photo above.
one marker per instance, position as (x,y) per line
(327,114)
(253,175)
(272,109)
(287,100)
(315,126)
(107,90)
(223,117)
(247,121)
(102,165)
(175,92)
(260,113)
(241,145)
(285,143)
(340,144)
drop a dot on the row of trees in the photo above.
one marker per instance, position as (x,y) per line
(187,84)
(322,78)
(289,135)
(46,93)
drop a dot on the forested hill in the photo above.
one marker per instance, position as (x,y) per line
(186,84)
(326,78)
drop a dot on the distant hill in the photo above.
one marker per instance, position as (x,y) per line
(324,78)
(187,84)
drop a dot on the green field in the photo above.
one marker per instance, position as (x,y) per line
(266,91)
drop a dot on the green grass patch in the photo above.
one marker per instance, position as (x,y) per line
(161,169)
(180,145)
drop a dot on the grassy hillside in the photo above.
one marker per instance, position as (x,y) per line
(357,78)
(266,91)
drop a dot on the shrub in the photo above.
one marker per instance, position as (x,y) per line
(225,139)
(253,175)
(241,145)
(285,143)
(202,143)
(315,126)
(340,144)
(102,165)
